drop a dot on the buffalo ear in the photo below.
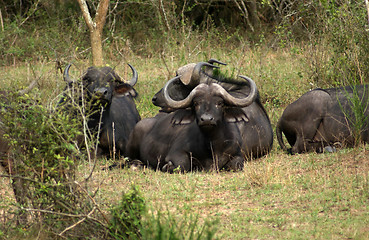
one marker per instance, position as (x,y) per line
(125,89)
(182,117)
(235,115)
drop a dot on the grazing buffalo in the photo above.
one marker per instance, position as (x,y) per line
(323,118)
(256,132)
(206,129)
(111,106)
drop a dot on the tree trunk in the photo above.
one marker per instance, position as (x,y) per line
(95,27)
(96,48)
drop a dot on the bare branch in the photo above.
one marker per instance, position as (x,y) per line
(18,177)
(165,15)
(96,147)
(67,214)
(367,8)
(244,12)
(29,88)
(93,200)
(52,212)
(115,6)
(34,10)
(86,15)
(165,63)
(100,17)
(80,221)
(1,21)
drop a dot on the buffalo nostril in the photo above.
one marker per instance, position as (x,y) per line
(207,118)
(101,92)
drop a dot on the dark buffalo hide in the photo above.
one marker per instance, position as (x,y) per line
(324,118)
(196,138)
(178,137)
(256,132)
(109,104)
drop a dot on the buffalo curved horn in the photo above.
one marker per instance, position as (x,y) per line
(238,102)
(209,70)
(134,78)
(185,72)
(66,76)
(228,98)
(196,73)
(181,103)
(213,60)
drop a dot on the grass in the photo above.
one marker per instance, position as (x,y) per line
(279,196)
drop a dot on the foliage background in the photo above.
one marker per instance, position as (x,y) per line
(33,30)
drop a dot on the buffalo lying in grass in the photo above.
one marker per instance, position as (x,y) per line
(256,132)
(217,125)
(110,103)
(324,118)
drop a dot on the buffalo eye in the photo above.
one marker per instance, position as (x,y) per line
(219,103)
(87,79)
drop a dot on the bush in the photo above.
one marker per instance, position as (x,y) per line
(188,226)
(350,44)
(127,216)
(130,219)
(44,157)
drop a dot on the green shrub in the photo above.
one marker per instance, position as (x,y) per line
(45,157)
(189,227)
(126,220)
(346,40)
(355,112)
(338,38)
(350,44)
(130,219)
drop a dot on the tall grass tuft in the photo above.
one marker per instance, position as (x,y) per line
(356,112)
(130,219)
(126,219)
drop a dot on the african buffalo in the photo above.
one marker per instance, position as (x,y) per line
(204,130)
(110,103)
(323,118)
(257,133)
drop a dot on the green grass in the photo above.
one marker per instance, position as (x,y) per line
(281,197)
(307,196)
